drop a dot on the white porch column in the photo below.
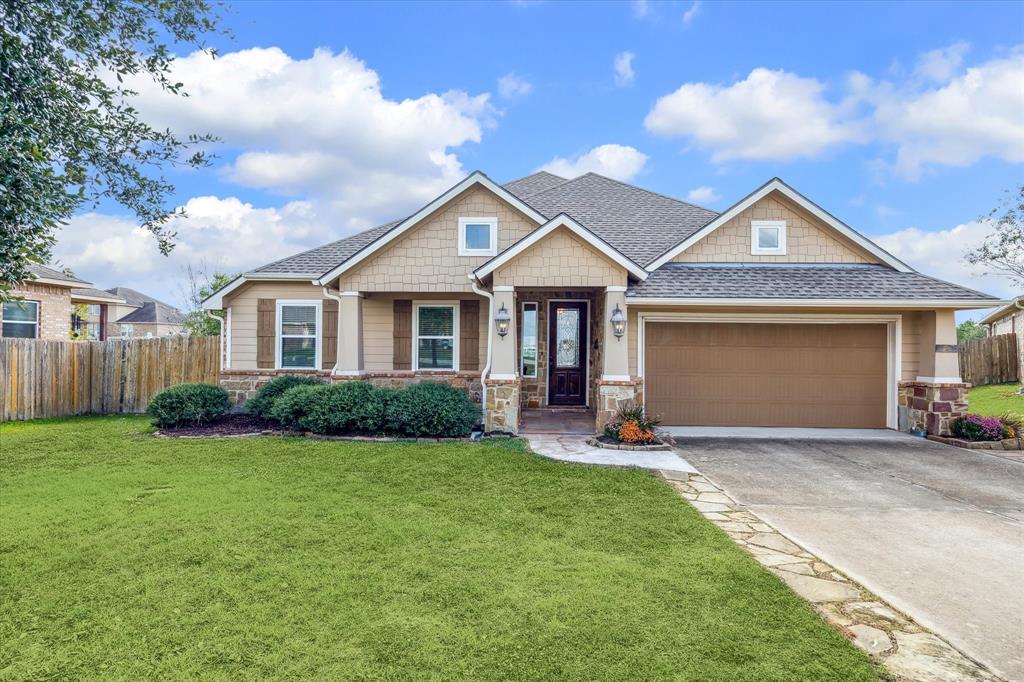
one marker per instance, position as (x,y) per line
(940,362)
(350,334)
(615,349)
(504,362)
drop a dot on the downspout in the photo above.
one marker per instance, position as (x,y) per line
(337,340)
(220,336)
(490,336)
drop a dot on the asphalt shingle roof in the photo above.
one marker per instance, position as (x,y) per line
(50,273)
(533,184)
(153,312)
(327,257)
(133,296)
(746,280)
(95,293)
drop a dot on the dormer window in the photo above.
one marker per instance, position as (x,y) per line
(478,236)
(768,237)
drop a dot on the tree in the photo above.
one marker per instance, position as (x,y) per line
(69,135)
(1003,251)
(968,330)
(201,284)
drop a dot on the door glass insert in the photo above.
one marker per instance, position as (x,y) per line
(567,337)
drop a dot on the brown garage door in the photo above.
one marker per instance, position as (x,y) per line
(726,374)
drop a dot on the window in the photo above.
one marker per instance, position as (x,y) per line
(768,237)
(528,344)
(21,320)
(478,236)
(127,331)
(298,334)
(434,336)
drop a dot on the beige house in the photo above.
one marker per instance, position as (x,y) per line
(56,306)
(1009,319)
(588,294)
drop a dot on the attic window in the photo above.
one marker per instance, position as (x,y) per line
(768,237)
(478,236)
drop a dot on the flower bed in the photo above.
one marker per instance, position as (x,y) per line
(975,432)
(1005,444)
(611,444)
(631,429)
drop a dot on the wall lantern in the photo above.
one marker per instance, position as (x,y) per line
(502,320)
(618,322)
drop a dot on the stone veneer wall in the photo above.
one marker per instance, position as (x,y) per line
(614,395)
(503,407)
(931,407)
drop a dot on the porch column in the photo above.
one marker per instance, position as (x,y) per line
(503,382)
(350,334)
(938,395)
(940,361)
(616,387)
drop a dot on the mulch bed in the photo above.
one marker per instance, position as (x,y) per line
(228,425)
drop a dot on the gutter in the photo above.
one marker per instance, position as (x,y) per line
(337,355)
(922,304)
(490,343)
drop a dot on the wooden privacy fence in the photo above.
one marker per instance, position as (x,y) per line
(59,378)
(992,360)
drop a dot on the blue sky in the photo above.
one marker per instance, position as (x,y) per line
(902,119)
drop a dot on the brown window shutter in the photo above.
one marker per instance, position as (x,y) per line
(402,358)
(329,353)
(469,335)
(266,312)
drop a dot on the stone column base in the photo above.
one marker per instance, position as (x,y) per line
(931,407)
(502,406)
(613,395)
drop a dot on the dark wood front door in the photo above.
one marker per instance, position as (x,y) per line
(567,353)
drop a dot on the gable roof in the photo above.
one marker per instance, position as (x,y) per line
(561,220)
(52,275)
(533,184)
(1016,304)
(90,294)
(777,185)
(315,262)
(132,296)
(153,312)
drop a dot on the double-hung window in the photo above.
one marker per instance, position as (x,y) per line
(528,344)
(21,320)
(434,336)
(478,236)
(768,237)
(298,334)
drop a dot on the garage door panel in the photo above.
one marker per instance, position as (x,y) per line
(738,374)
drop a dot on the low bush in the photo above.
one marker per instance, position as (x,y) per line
(433,409)
(291,407)
(376,414)
(632,425)
(262,403)
(977,428)
(337,408)
(188,404)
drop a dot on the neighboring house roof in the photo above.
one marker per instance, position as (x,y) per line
(153,312)
(532,184)
(770,282)
(44,272)
(1010,308)
(90,294)
(133,296)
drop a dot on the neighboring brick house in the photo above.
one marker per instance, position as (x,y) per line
(589,293)
(1009,320)
(142,316)
(47,307)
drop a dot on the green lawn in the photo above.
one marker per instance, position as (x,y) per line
(996,399)
(128,556)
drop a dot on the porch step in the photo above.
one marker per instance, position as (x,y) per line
(557,420)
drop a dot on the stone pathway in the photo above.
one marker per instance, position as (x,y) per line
(574,448)
(903,647)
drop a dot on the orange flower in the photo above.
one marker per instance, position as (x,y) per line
(630,432)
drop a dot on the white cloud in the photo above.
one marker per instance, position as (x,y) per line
(941,254)
(703,195)
(612,160)
(623,66)
(641,8)
(322,126)
(510,85)
(940,65)
(769,115)
(691,14)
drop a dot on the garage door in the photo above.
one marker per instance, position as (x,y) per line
(740,374)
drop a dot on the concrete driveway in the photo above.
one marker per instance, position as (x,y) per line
(936,531)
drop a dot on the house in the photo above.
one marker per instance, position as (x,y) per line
(144,316)
(56,306)
(1009,319)
(590,293)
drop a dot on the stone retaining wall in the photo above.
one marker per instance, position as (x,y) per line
(932,407)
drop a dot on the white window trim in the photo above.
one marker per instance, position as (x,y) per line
(536,360)
(756,225)
(283,302)
(454,305)
(492,222)
(33,323)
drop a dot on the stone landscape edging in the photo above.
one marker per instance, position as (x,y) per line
(1004,444)
(889,636)
(653,447)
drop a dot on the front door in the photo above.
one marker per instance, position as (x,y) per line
(567,353)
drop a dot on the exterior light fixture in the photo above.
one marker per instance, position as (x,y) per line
(618,322)
(502,320)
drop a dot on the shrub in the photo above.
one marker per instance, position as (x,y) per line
(263,402)
(376,414)
(974,427)
(433,409)
(291,406)
(336,408)
(188,404)
(1013,425)
(632,425)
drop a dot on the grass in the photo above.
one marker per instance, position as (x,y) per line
(127,556)
(995,399)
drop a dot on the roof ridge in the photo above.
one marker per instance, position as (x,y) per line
(648,191)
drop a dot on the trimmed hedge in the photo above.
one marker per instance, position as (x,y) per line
(188,404)
(336,408)
(263,402)
(291,407)
(434,409)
